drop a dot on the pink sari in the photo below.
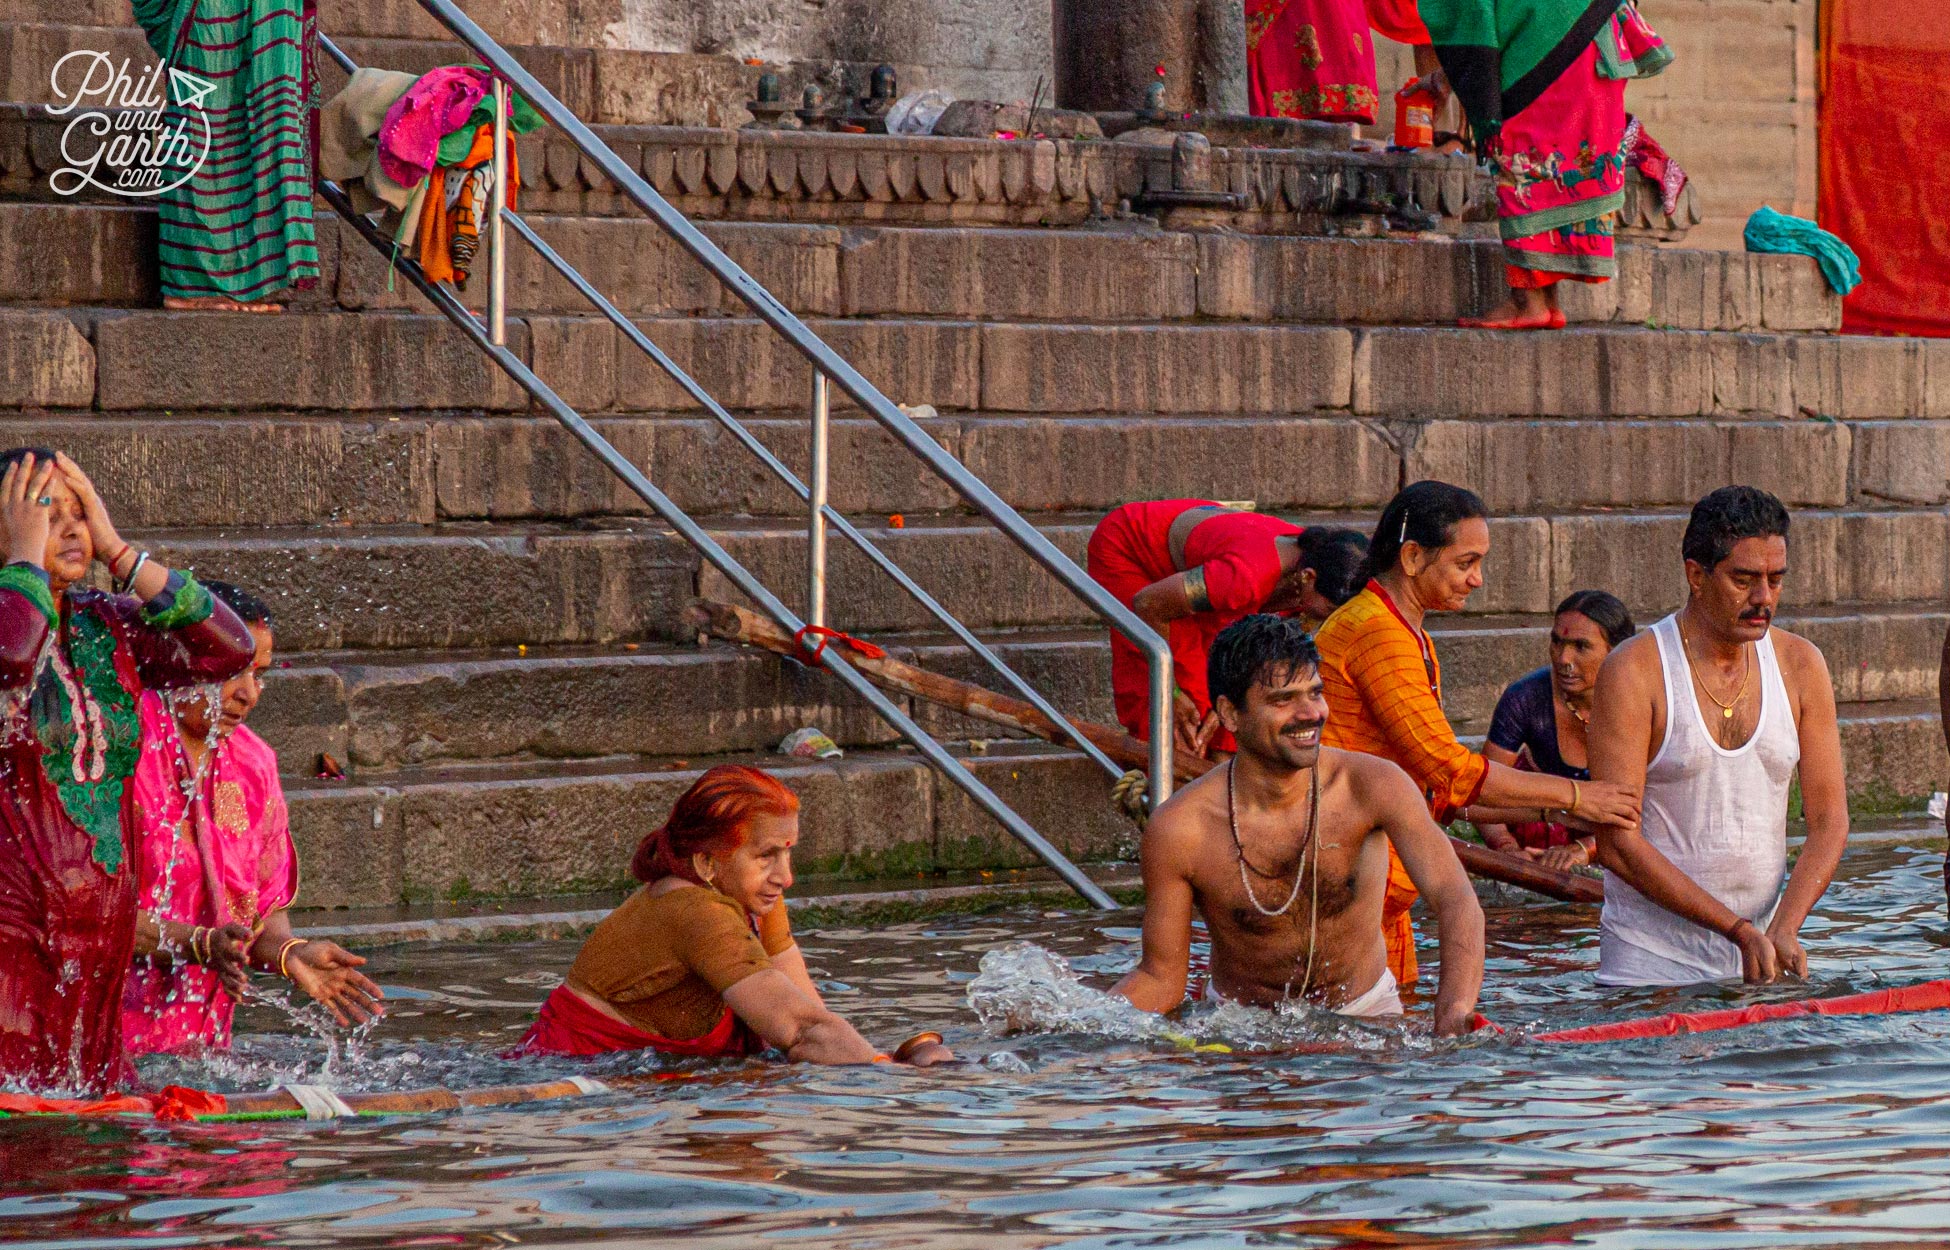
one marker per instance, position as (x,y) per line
(1311,59)
(229,858)
(1560,164)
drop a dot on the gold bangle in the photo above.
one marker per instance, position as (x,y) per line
(284,953)
(1576,799)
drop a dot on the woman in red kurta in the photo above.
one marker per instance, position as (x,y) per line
(72,664)
(1191,567)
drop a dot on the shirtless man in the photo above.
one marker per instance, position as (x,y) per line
(1712,710)
(1284,853)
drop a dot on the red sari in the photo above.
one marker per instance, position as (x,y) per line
(1238,556)
(1310,58)
(567,1025)
(68,746)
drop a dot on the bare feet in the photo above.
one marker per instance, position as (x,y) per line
(216,303)
(1524,310)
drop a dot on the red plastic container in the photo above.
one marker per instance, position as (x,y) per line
(1415,107)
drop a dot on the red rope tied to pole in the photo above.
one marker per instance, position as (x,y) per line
(825,635)
(1929,996)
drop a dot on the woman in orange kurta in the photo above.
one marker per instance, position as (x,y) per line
(1384,684)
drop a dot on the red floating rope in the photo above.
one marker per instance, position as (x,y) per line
(1929,996)
(825,635)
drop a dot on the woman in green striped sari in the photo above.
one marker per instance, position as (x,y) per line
(239,231)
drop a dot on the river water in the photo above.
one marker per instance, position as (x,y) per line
(1086,1132)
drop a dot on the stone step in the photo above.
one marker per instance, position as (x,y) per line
(560,827)
(1119,275)
(464,585)
(105,254)
(456,586)
(601,85)
(401,362)
(1839,557)
(377,713)
(289,469)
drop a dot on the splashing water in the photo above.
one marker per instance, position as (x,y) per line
(1023,988)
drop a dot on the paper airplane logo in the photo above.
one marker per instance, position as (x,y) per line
(188,89)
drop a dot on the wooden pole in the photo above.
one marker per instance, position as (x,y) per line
(735,624)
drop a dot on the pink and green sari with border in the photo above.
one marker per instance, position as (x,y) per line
(1543,83)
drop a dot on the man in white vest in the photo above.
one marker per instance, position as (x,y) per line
(1713,710)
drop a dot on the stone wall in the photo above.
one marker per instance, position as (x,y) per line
(995,49)
(1737,108)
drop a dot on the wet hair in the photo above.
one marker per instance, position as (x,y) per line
(14,455)
(1426,513)
(713,817)
(1726,516)
(1336,557)
(1605,610)
(249,608)
(1258,648)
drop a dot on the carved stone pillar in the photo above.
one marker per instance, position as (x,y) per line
(1109,51)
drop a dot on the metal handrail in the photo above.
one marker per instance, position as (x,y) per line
(831,365)
(719,558)
(826,513)
(492,339)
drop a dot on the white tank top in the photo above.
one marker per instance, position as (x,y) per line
(1720,816)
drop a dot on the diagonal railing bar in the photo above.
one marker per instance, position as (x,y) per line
(844,527)
(825,361)
(708,547)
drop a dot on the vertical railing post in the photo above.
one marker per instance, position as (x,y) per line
(497,228)
(816,503)
(1162,688)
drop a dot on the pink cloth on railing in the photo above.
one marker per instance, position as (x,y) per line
(435,106)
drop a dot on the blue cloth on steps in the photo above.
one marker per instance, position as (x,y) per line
(1769,231)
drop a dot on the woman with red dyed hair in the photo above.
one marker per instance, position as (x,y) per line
(701,960)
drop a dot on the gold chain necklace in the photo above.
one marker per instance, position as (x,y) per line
(1726,708)
(1239,847)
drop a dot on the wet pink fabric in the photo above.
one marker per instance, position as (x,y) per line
(227,858)
(435,106)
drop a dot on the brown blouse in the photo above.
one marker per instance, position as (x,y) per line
(664,961)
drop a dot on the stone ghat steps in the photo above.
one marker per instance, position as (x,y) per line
(377,713)
(371,468)
(555,826)
(402,363)
(570,827)
(475,585)
(105,254)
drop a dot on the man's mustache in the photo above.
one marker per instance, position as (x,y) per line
(1757,614)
